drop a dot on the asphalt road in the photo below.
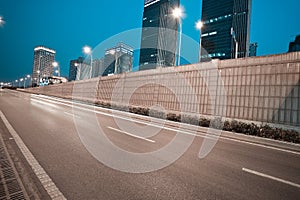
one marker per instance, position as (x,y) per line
(60,135)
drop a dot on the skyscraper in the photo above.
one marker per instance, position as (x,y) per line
(295,45)
(118,59)
(159,34)
(98,67)
(42,66)
(253,49)
(225,22)
(74,64)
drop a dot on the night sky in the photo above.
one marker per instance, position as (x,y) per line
(68,25)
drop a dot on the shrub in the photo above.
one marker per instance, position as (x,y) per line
(217,123)
(190,119)
(157,113)
(204,122)
(174,117)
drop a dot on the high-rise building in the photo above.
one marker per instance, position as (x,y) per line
(295,45)
(118,60)
(253,49)
(74,64)
(159,34)
(42,64)
(225,22)
(98,67)
(83,71)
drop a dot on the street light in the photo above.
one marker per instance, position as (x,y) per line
(178,14)
(2,22)
(56,65)
(199,26)
(25,81)
(21,79)
(236,42)
(28,77)
(38,81)
(88,51)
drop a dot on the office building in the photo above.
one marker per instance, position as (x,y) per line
(159,34)
(225,22)
(98,67)
(73,68)
(43,63)
(83,71)
(118,60)
(253,49)
(295,45)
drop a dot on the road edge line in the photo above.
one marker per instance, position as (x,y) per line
(41,174)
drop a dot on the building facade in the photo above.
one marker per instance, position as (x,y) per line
(295,45)
(98,67)
(159,34)
(253,49)
(117,60)
(74,64)
(225,22)
(44,58)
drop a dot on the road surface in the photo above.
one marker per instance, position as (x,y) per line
(238,167)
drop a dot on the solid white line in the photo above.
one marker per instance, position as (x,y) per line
(132,135)
(262,145)
(271,177)
(45,180)
(176,130)
(71,114)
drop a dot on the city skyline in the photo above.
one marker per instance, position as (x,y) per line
(71,26)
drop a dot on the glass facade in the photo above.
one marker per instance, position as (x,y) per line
(118,60)
(73,68)
(159,34)
(219,18)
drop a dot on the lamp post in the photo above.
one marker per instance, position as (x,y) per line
(236,42)
(16,81)
(199,26)
(20,82)
(88,51)
(38,81)
(25,79)
(177,14)
(56,65)
(28,77)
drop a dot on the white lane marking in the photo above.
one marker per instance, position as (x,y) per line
(271,177)
(261,145)
(71,114)
(178,130)
(45,180)
(134,120)
(161,120)
(132,135)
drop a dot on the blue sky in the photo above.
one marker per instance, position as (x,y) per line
(68,25)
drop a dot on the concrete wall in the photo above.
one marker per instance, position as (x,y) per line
(263,89)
